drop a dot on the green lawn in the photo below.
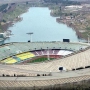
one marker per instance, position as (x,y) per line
(41,59)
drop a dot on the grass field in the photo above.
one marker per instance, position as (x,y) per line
(40,59)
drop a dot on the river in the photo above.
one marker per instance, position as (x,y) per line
(43,26)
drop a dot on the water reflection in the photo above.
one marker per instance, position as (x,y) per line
(44,27)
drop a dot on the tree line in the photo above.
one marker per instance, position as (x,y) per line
(65,2)
(3,7)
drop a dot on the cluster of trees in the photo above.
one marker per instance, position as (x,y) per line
(65,2)
(3,7)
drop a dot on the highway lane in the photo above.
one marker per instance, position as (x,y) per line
(54,75)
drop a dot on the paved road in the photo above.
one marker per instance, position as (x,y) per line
(7,67)
(54,75)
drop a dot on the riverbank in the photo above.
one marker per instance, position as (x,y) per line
(76,17)
(71,25)
(13,16)
(6,25)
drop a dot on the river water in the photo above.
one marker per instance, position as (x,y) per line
(43,26)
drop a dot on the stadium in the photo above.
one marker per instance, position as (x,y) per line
(44,65)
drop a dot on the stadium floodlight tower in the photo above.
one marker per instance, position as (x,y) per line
(48,54)
(88,37)
(30,33)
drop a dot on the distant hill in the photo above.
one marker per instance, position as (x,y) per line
(12,1)
(80,0)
